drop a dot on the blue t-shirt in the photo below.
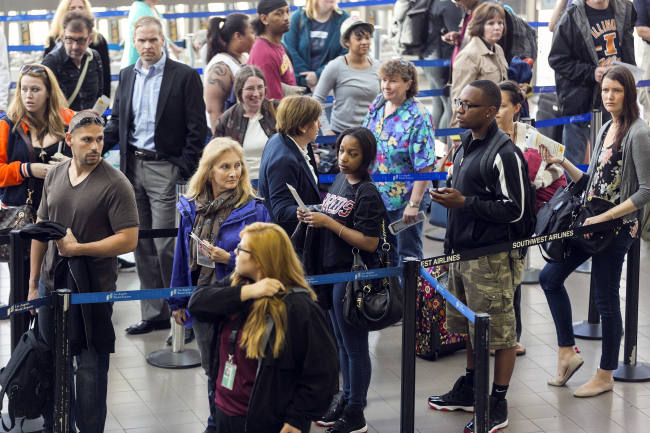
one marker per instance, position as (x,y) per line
(602,25)
(317,37)
(643,14)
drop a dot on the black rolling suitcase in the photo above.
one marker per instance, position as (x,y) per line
(548,109)
(431,336)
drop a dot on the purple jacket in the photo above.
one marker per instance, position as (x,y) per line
(227,239)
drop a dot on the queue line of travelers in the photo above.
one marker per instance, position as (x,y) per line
(401,131)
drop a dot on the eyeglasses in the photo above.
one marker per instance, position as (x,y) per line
(32,68)
(465,105)
(240,249)
(88,121)
(260,89)
(78,41)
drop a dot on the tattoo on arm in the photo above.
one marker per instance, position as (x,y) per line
(215,73)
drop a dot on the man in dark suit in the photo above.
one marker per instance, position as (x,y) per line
(288,158)
(159,120)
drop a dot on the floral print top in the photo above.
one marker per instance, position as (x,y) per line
(405,144)
(608,178)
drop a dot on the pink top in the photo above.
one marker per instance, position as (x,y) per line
(275,64)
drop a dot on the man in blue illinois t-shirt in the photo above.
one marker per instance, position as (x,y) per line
(602,23)
(643,30)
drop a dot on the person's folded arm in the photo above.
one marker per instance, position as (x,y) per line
(210,302)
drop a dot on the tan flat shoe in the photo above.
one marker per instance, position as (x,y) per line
(583,394)
(574,365)
(521,350)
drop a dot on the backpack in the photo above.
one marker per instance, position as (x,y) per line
(524,37)
(28,378)
(525,227)
(409,31)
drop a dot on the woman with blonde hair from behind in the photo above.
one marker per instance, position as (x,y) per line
(273,358)
(218,205)
(99,44)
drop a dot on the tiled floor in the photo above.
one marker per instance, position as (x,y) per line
(145,399)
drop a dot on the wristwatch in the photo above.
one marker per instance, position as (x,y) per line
(414,204)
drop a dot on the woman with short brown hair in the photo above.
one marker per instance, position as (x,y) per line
(289,159)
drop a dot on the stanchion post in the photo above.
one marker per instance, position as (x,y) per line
(407,410)
(482,373)
(630,371)
(376,42)
(594,126)
(181,187)
(590,329)
(61,301)
(19,283)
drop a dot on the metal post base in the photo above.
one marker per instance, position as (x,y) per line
(189,358)
(584,268)
(632,373)
(587,331)
(436,234)
(530,276)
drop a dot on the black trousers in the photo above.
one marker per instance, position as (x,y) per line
(229,424)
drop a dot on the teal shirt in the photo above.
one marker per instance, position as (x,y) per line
(138,9)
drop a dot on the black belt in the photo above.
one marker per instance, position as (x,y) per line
(145,155)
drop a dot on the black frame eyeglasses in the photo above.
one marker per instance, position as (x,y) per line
(240,249)
(32,68)
(80,41)
(458,103)
(88,121)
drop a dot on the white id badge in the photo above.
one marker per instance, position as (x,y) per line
(229,371)
(201,256)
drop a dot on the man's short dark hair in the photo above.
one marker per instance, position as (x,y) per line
(77,20)
(491,92)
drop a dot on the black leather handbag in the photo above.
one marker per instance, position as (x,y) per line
(599,241)
(557,215)
(372,305)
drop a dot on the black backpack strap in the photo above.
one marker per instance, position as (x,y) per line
(380,103)
(487,161)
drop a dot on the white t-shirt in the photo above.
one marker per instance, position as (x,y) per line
(254,142)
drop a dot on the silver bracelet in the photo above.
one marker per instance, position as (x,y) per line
(341,231)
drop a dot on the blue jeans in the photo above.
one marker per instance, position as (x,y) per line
(606,272)
(204,333)
(575,137)
(88,410)
(408,241)
(354,355)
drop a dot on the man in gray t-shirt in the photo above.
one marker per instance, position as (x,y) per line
(96,203)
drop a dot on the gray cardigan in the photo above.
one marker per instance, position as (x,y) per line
(635,178)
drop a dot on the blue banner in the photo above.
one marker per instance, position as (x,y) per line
(354,276)
(397,177)
(563,120)
(132,295)
(448,131)
(23,307)
(543,89)
(451,299)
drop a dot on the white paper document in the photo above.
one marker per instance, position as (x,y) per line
(102,104)
(636,71)
(534,139)
(297,197)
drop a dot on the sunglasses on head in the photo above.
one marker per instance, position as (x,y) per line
(32,68)
(88,121)
(404,62)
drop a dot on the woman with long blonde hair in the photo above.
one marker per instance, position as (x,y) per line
(273,355)
(218,205)
(31,135)
(99,44)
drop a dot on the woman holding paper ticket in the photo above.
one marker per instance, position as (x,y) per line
(218,205)
(620,173)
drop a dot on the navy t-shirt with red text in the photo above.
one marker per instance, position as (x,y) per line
(602,25)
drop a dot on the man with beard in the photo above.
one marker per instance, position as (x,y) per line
(268,53)
(96,203)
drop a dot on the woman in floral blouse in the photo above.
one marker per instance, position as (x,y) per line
(620,173)
(404,131)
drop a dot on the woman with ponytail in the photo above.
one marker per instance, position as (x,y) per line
(229,41)
(272,355)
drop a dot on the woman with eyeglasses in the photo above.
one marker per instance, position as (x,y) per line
(405,144)
(272,356)
(32,136)
(482,58)
(98,44)
(218,205)
(251,121)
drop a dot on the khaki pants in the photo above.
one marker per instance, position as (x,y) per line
(644,92)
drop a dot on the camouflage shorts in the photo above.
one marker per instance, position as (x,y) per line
(487,285)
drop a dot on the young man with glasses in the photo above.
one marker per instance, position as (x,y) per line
(77,67)
(481,215)
(96,203)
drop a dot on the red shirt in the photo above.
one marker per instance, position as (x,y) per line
(543,195)
(235,402)
(274,62)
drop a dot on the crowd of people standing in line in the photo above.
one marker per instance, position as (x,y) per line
(258,326)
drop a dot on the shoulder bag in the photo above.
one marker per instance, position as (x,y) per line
(371,305)
(15,218)
(599,241)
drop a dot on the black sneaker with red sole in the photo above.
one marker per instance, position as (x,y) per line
(461,397)
(334,413)
(498,416)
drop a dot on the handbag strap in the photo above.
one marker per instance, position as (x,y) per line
(385,245)
(31,182)
(82,77)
